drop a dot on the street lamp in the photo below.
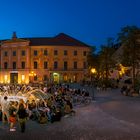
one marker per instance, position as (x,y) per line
(92,72)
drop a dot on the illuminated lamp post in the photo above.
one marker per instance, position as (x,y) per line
(92,73)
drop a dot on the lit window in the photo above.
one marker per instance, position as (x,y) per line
(23,78)
(5,78)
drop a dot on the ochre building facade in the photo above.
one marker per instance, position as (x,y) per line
(58,59)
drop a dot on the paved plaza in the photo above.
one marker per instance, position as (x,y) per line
(111,116)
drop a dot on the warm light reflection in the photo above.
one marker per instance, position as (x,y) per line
(122,70)
(5,78)
(93,70)
(23,78)
(32,73)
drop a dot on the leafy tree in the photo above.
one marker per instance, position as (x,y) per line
(93,60)
(106,61)
(129,37)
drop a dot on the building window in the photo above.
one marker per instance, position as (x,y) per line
(55,64)
(23,65)
(5,65)
(35,64)
(65,52)
(45,52)
(45,77)
(45,65)
(23,53)
(55,52)
(14,65)
(35,78)
(35,52)
(75,65)
(5,53)
(84,53)
(65,65)
(75,53)
(14,53)
(84,65)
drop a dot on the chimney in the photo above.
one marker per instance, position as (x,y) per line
(14,37)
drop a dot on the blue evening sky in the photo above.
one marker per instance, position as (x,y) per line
(91,21)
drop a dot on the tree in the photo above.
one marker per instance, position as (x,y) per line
(129,37)
(92,57)
(106,61)
(93,60)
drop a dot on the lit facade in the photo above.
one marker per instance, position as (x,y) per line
(58,59)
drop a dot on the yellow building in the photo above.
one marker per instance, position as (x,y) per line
(57,59)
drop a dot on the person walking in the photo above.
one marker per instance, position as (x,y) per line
(12,116)
(22,117)
(5,110)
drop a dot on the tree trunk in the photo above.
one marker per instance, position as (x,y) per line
(134,68)
(133,76)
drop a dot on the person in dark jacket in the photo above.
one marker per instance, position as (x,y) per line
(22,116)
(12,116)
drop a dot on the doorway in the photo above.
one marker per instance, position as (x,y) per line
(13,78)
(56,77)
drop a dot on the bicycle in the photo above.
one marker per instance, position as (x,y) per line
(86,100)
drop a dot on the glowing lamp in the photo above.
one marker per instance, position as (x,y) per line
(93,70)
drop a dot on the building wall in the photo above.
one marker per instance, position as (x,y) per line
(60,58)
(30,74)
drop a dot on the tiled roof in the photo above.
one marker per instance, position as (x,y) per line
(59,40)
(15,40)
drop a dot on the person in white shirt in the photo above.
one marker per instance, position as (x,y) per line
(5,108)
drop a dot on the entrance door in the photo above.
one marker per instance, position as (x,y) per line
(56,77)
(14,78)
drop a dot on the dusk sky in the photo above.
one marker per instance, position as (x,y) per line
(91,21)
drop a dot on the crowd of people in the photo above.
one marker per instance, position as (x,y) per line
(59,103)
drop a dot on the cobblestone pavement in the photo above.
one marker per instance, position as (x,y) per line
(111,117)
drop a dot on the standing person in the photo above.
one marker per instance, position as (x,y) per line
(22,115)
(12,116)
(5,108)
(0,113)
